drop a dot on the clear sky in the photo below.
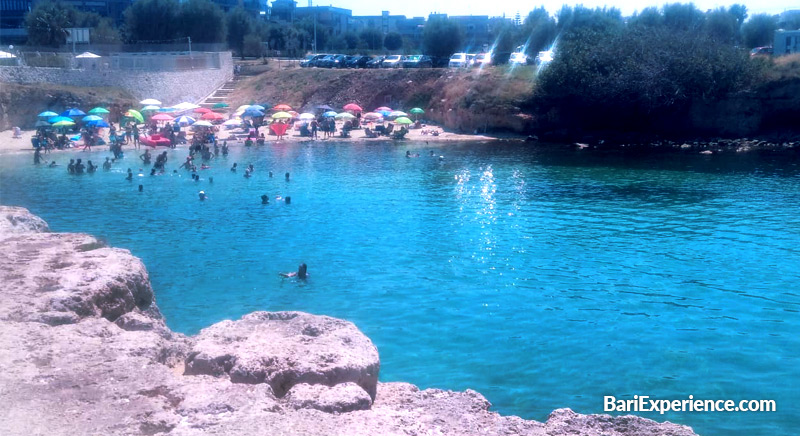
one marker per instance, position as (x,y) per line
(417,8)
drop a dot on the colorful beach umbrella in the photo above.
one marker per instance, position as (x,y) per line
(353,107)
(219,105)
(281,115)
(162,117)
(212,116)
(403,120)
(48,114)
(345,116)
(395,114)
(150,107)
(133,113)
(329,114)
(232,122)
(150,101)
(282,107)
(383,108)
(64,123)
(98,111)
(73,112)
(202,110)
(59,118)
(88,118)
(185,120)
(253,113)
(306,116)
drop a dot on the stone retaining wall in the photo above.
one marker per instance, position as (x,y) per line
(169,87)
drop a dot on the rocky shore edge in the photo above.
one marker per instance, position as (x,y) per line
(85,350)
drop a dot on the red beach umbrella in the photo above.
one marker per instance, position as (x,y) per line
(211,116)
(383,108)
(282,107)
(202,110)
(353,107)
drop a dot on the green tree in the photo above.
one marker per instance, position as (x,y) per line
(239,24)
(759,30)
(739,12)
(393,41)
(351,38)
(47,23)
(337,43)
(441,37)
(649,17)
(722,26)
(252,45)
(505,37)
(372,38)
(202,20)
(678,16)
(539,30)
(152,20)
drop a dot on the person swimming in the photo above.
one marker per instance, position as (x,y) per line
(233,168)
(264,199)
(202,195)
(247,173)
(270,174)
(251,168)
(107,164)
(71,166)
(79,167)
(287,177)
(408,154)
(302,272)
(130,175)
(53,164)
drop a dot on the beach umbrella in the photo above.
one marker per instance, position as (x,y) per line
(294,114)
(63,123)
(202,123)
(352,107)
(253,113)
(168,109)
(73,112)
(150,107)
(150,101)
(256,107)
(185,106)
(345,116)
(98,111)
(306,116)
(242,108)
(403,120)
(202,110)
(417,111)
(323,107)
(88,118)
(282,107)
(87,55)
(48,114)
(100,123)
(133,113)
(232,122)
(162,117)
(372,116)
(329,114)
(395,114)
(281,115)
(58,118)
(383,108)
(219,105)
(384,113)
(212,116)
(41,123)
(185,120)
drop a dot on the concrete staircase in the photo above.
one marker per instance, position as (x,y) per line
(222,94)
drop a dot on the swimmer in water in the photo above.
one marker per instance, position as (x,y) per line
(264,199)
(107,164)
(204,167)
(300,274)
(233,168)
(130,175)
(202,195)
(287,177)
(408,154)
(247,173)
(53,164)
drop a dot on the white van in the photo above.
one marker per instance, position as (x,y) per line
(458,60)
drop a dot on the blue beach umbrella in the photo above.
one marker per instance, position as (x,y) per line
(88,118)
(73,112)
(256,107)
(58,119)
(185,120)
(250,112)
(329,114)
(100,123)
(48,114)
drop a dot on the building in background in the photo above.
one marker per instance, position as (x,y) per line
(786,42)
(12,21)
(335,18)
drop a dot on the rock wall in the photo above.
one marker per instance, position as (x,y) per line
(84,350)
(169,87)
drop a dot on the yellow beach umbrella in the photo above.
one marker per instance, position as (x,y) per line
(281,115)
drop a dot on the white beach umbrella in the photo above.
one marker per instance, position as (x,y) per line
(202,123)
(395,114)
(150,101)
(306,116)
(185,106)
(87,55)
(233,122)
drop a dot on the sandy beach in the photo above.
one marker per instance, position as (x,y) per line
(235,137)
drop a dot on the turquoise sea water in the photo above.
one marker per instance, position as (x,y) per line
(540,277)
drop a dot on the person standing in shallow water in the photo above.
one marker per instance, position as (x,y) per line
(302,272)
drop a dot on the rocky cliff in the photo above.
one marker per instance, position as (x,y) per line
(84,350)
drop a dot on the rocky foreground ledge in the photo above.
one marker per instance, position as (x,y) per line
(84,351)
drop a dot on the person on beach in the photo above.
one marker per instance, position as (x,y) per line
(314,127)
(135,130)
(146,157)
(71,166)
(129,134)
(302,272)
(107,165)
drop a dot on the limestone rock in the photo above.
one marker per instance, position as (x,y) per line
(18,220)
(567,422)
(340,398)
(283,349)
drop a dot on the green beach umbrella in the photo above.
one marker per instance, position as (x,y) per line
(403,120)
(133,113)
(98,111)
(64,123)
(417,111)
(281,115)
(48,114)
(219,105)
(345,116)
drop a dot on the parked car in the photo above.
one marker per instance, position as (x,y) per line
(376,62)
(518,58)
(392,61)
(358,62)
(325,62)
(761,51)
(458,60)
(439,62)
(339,61)
(544,57)
(418,61)
(482,60)
(470,59)
(311,60)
